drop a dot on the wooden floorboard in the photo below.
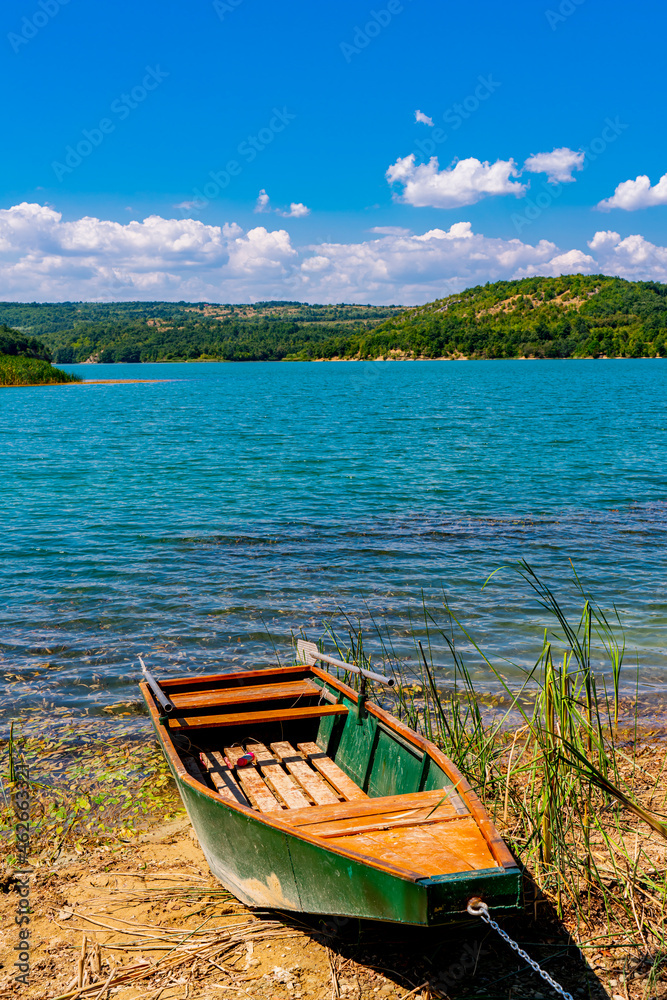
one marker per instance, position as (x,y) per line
(253,785)
(280,783)
(337,778)
(310,780)
(420,848)
(223,779)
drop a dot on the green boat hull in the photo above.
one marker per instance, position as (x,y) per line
(265,865)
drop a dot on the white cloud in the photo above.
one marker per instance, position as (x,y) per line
(426,186)
(187,206)
(631,195)
(604,241)
(572,262)
(297,210)
(390,231)
(633,257)
(558,165)
(262,203)
(421,117)
(45,258)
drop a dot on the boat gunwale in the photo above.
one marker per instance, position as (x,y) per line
(461,785)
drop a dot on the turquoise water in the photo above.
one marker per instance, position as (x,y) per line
(198,520)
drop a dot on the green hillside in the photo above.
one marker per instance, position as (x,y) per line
(182,331)
(566,317)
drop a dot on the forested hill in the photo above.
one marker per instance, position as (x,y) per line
(16,344)
(570,316)
(182,331)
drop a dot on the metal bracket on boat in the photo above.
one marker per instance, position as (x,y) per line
(310,654)
(165,704)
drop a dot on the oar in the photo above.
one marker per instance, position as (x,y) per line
(310,654)
(167,706)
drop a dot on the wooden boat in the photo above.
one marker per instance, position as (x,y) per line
(342,810)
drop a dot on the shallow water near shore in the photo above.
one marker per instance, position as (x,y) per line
(200,520)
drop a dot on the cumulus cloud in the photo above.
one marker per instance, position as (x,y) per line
(297,210)
(557,165)
(631,195)
(470,180)
(262,203)
(421,117)
(45,258)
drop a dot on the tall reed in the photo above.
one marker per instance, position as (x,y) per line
(544,754)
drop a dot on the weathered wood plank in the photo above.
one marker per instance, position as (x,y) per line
(238,677)
(385,805)
(422,847)
(331,771)
(252,783)
(382,821)
(278,780)
(223,779)
(309,780)
(257,718)
(212,698)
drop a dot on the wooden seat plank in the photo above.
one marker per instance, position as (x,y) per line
(385,805)
(309,780)
(222,778)
(278,780)
(380,821)
(332,772)
(261,797)
(256,718)
(216,697)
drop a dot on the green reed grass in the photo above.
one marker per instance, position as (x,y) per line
(17,370)
(546,757)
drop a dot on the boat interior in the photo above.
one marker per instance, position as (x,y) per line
(293,745)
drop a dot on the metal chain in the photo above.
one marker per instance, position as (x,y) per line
(476,908)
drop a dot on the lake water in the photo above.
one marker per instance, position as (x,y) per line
(199,520)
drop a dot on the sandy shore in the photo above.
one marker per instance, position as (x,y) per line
(121,900)
(89,381)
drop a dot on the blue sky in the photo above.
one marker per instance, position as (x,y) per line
(120,112)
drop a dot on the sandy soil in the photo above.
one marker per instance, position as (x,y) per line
(150,909)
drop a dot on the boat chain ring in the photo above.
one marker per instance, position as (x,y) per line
(478,908)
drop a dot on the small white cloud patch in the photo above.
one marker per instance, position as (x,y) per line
(421,117)
(262,203)
(557,165)
(297,210)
